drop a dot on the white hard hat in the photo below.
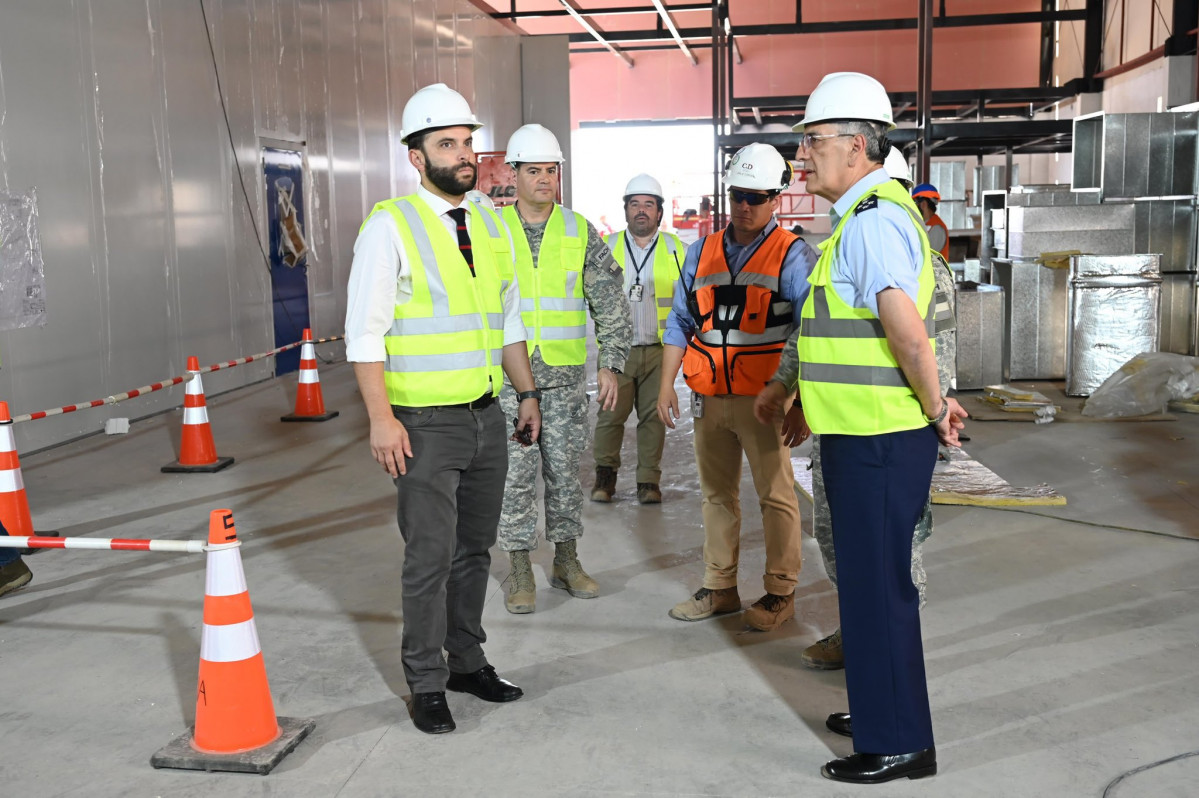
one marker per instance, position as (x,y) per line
(644,184)
(897,166)
(533,144)
(758,166)
(436,106)
(847,95)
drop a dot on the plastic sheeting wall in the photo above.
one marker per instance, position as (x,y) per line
(110,109)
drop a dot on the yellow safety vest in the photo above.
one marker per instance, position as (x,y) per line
(850,382)
(551,286)
(446,344)
(667,265)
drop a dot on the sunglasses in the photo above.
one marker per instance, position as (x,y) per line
(738,196)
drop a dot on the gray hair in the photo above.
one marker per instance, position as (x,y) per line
(875,134)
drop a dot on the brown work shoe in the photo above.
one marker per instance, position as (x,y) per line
(825,655)
(770,612)
(648,493)
(569,574)
(605,484)
(522,589)
(14,575)
(706,603)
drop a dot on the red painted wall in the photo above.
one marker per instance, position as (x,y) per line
(664,84)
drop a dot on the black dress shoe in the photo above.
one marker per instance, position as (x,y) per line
(431,714)
(841,723)
(877,768)
(486,684)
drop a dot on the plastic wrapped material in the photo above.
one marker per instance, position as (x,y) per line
(961,480)
(22,281)
(1144,385)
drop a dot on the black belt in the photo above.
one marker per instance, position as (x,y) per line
(481,403)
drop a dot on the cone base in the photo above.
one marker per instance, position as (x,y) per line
(319,417)
(178,753)
(209,468)
(31,552)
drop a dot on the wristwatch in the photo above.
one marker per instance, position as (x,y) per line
(533,394)
(615,370)
(940,416)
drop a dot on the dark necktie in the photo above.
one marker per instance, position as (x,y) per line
(459,216)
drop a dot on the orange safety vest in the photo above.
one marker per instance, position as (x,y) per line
(937,221)
(742,322)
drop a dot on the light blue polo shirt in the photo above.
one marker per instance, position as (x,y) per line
(879,249)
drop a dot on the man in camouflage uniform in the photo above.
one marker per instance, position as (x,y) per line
(826,654)
(549,241)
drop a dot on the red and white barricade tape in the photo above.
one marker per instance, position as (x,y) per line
(110,544)
(158,386)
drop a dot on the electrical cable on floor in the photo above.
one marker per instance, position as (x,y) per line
(1117,527)
(1112,784)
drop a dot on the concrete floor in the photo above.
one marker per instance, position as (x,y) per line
(1060,655)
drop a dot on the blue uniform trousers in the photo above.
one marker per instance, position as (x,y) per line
(877,486)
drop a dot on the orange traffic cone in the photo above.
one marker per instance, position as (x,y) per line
(310,405)
(236,728)
(14,505)
(197,451)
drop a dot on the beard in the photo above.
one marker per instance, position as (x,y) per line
(447,179)
(642,225)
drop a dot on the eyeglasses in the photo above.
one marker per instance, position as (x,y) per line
(808,139)
(738,196)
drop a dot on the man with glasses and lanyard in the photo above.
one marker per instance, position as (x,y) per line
(739,302)
(652,261)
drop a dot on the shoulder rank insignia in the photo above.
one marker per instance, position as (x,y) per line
(867,204)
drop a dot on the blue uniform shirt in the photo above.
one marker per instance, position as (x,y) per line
(879,248)
(793,280)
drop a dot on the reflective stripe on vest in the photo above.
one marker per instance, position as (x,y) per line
(850,381)
(552,305)
(668,263)
(445,345)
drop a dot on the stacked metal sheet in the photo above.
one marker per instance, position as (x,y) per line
(979,312)
(1114,311)
(1035,300)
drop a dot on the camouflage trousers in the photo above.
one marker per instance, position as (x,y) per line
(564,436)
(822,529)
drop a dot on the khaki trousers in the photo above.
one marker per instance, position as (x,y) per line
(638,387)
(727,429)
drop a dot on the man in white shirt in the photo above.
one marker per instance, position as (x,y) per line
(432,324)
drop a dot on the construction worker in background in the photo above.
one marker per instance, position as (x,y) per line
(927,197)
(651,260)
(827,654)
(868,385)
(737,305)
(432,327)
(564,268)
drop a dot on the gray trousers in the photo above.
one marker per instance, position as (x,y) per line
(448,507)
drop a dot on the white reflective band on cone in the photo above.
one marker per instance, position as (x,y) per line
(195,415)
(194,386)
(307,352)
(7,441)
(224,576)
(308,376)
(230,643)
(10,481)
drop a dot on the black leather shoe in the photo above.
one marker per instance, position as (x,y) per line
(877,768)
(431,714)
(841,723)
(486,684)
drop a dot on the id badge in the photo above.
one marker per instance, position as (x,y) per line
(635,292)
(697,405)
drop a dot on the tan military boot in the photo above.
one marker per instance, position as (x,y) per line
(649,493)
(522,590)
(605,484)
(825,655)
(706,603)
(770,612)
(569,573)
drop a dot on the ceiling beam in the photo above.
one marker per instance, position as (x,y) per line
(599,12)
(858,25)
(573,9)
(674,31)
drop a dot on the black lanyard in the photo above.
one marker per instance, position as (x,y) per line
(649,253)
